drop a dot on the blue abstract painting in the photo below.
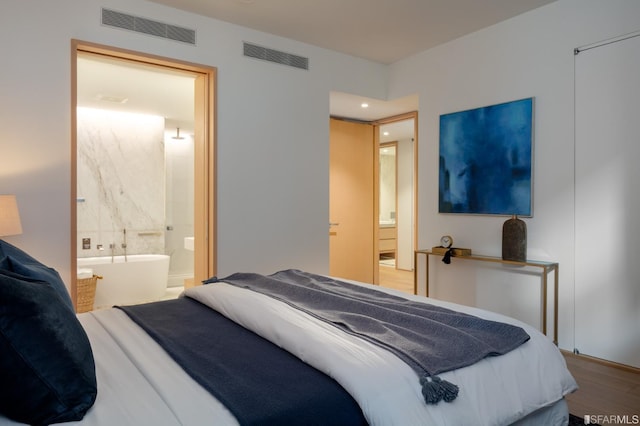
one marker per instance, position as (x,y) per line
(486,160)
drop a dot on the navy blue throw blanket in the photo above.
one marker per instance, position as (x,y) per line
(430,339)
(260,383)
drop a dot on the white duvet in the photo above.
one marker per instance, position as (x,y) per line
(495,391)
(139,383)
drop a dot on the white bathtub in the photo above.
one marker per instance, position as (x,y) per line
(142,278)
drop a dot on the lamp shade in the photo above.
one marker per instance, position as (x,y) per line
(9,216)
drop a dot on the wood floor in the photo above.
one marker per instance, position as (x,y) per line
(605,388)
(396,278)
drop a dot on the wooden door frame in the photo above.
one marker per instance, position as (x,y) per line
(205,247)
(401,117)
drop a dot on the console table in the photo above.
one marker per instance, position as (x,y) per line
(546,268)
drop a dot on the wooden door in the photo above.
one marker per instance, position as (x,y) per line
(205,245)
(352,157)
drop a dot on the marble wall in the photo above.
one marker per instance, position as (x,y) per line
(121,182)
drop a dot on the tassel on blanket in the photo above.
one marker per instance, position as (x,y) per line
(434,389)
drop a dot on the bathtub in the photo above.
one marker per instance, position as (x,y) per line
(142,278)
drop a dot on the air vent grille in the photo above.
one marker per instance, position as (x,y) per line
(115,19)
(271,55)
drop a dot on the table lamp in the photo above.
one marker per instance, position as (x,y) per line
(9,216)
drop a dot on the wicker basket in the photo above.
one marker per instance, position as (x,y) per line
(86,293)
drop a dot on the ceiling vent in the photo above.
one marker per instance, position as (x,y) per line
(115,19)
(271,55)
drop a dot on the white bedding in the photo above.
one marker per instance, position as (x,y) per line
(139,384)
(494,391)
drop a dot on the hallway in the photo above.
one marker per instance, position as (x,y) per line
(398,279)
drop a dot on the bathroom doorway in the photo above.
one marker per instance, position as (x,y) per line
(397,195)
(121,204)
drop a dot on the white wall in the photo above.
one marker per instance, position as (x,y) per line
(387,172)
(273,129)
(179,156)
(529,55)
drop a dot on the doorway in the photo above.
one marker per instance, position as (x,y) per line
(397,191)
(607,202)
(364,224)
(154,229)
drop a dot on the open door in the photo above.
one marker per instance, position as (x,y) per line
(205,188)
(352,201)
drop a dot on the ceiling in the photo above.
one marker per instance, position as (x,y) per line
(379,30)
(107,83)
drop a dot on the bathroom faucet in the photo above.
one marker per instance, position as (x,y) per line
(124,244)
(113,249)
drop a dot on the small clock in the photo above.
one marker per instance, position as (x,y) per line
(446,241)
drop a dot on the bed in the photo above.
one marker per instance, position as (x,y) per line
(139,380)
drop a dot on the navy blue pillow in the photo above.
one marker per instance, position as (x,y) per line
(23,264)
(47,371)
